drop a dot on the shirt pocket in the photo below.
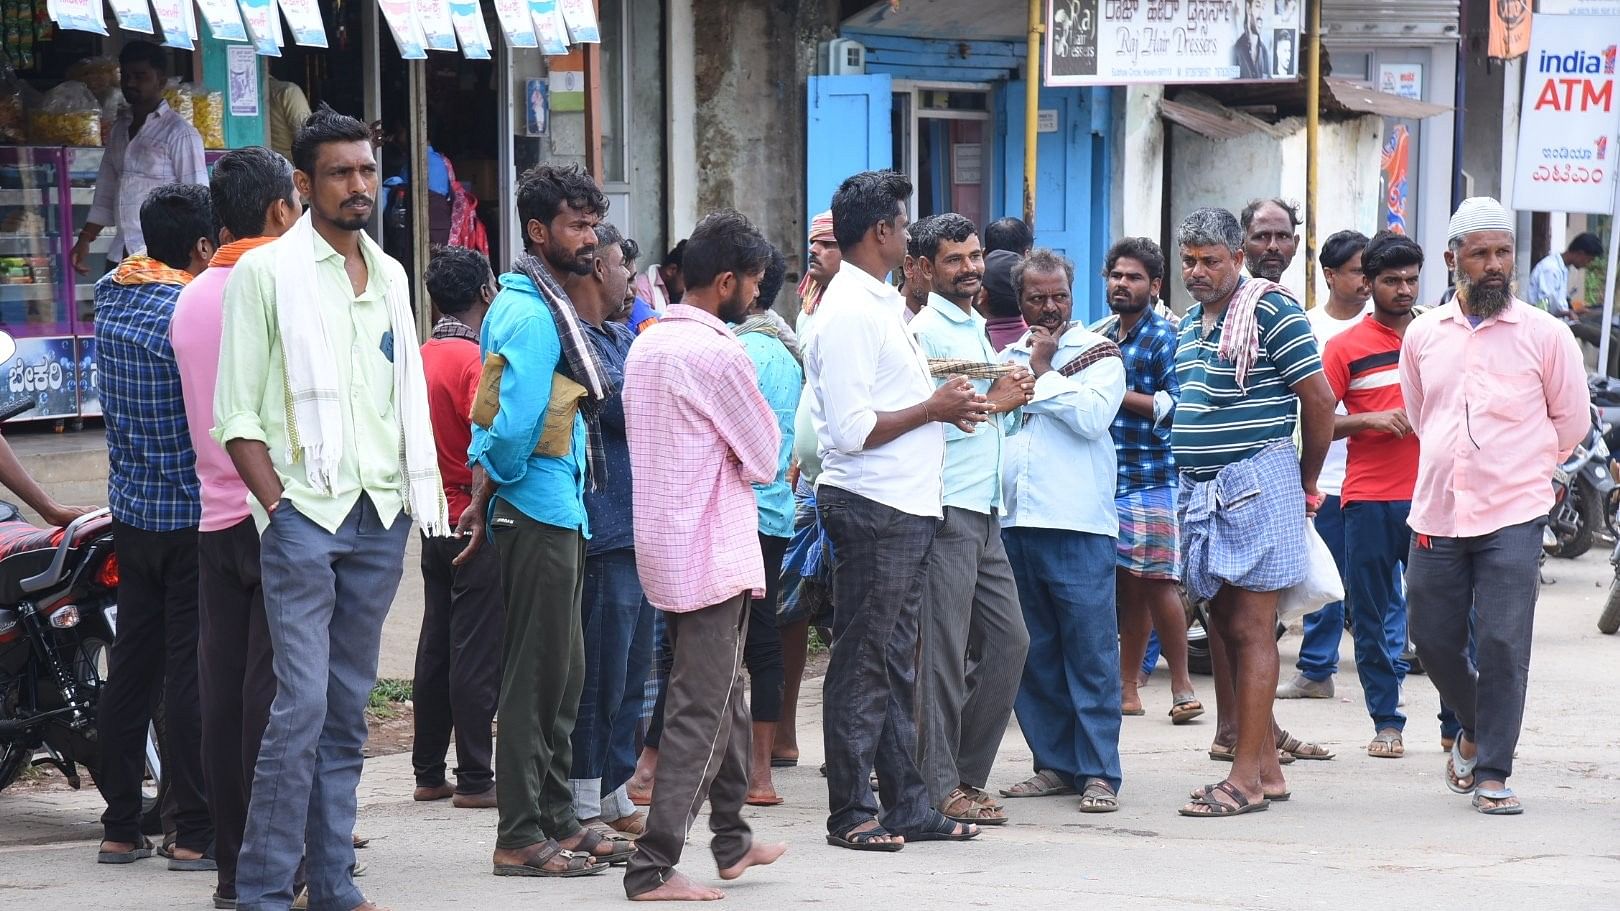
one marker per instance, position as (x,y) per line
(1514,396)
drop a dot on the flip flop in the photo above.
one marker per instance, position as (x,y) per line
(1484,794)
(1217,809)
(865,841)
(1458,768)
(1387,745)
(1044,783)
(782,762)
(763,802)
(1186,709)
(139,852)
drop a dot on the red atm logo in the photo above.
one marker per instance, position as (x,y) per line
(1568,86)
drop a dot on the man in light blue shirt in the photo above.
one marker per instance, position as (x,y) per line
(1060,528)
(973,636)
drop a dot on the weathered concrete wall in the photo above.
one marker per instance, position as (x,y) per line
(752,60)
(1139,163)
(645,152)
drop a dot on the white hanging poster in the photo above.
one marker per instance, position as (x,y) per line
(468,20)
(260,16)
(580,16)
(133,15)
(171,14)
(80,15)
(406,30)
(304,18)
(224,19)
(242,80)
(515,21)
(434,18)
(549,27)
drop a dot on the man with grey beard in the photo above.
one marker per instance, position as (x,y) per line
(1270,237)
(1496,391)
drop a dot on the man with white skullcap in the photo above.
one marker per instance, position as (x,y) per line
(1496,392)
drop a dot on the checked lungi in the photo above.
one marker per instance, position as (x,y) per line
(1246,526)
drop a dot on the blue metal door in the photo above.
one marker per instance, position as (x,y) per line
(849,131)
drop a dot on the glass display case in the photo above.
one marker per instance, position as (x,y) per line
(36,280)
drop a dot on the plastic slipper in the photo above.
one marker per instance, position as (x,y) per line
(1483,794)
(1045,783)
(866,841)
(1458,768)
(783,762)
(1387,745)
(139,852)
(1217,809)
(1186,709)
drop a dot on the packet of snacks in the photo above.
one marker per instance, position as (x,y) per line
(179,98)
(208,115)
(68,116)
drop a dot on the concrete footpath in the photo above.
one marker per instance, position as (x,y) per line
(1359,833)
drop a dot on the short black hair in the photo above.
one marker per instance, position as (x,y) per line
(1340,247)
(724,241)
(454,277)
(673,257)
(1587,243)
(608,236)
(173,218)
(1289,206)
(865,199)
(1009,234)
(1140,249)
(243,184)
(323,127)
(544,188)
(917,235)
(632,251)
(771,284)
(144,52)
(1388,250)
(947,226)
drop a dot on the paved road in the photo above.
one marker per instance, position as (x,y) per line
(1359,833)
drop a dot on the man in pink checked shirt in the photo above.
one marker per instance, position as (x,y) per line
(700,434)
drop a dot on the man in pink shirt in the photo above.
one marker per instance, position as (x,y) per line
(254,202)
(1496,391)
(700,434)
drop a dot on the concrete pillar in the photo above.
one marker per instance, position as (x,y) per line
(1140,167)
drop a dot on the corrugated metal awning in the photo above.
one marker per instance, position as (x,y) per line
(1387,22)
(1214,111)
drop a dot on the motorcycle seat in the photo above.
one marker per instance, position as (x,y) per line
(23,537)
(26,550)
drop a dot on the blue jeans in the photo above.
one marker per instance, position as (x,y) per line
(611,610)
(1319,652)
(1376,539)
(1068,703)
(325,597)
(624,747)
(1150,660)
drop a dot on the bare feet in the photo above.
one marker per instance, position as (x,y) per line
(758,856)
(441,791)
(679,889)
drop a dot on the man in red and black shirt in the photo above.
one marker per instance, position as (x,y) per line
(1362,366)
(458,657)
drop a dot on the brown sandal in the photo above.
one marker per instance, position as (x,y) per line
(1299,749)
(1045,783)
(1186,709)
(1220,752)
(1098,797)
(961,807)
(632,826)
(619,851)
(536,856)
(1209,806)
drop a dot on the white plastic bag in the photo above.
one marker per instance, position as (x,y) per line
(1321,585)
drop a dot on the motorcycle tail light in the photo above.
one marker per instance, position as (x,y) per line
(10,632)
(65,617)
(107,574)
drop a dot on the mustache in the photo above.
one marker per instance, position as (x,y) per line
(358,199)
(969,277)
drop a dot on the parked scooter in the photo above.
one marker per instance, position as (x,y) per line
(1582,489)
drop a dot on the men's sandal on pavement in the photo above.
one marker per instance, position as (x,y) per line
(139,852)
(1460,771)
(536,856)
(1387,745)
(1222,753)
(1211,806)
(1273,796)
(866,840)
(938,828)
(1098,797)
(961,807)
(591,841)
(1299,749)
(1492,802)
(1186,709)
(1045,783)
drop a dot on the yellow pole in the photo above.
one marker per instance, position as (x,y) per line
(1032,108)
(1313,105)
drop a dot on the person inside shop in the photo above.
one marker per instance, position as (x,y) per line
(288,109)
(150,145)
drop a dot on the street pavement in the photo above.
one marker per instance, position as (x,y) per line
(1358,833)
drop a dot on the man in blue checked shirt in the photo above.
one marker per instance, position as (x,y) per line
(156,504)
(1149,546)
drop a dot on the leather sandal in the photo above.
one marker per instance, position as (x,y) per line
(536,856)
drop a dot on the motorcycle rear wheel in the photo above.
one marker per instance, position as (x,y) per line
(1589,512)
(1609,622)
(14,756)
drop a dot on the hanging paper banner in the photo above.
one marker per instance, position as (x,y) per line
(1509,35)
(407,31)
(133,15)
(304,18)
(515,22)
(242,80)
(172,15)
(469,23)
(224,19)
(549,27)
(80,16)
(260,16)
(434,18)
(580,16)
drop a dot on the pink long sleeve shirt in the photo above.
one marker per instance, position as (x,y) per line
(700,436)
(194,334)
(1495,406)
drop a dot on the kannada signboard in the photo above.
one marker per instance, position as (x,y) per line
(1118,42)
(1568,118)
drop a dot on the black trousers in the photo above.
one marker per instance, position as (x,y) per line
(458,664)
(237,681)
(155,645)
(763,656)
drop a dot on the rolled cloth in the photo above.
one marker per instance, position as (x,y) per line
(941,367)
(1480,213)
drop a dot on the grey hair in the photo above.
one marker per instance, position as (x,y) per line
(1043,262)
(1209,227)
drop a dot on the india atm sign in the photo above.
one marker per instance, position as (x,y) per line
(1569,119)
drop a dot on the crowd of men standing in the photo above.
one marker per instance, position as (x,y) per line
(626,504)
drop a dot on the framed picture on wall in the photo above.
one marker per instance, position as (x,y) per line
(536,110)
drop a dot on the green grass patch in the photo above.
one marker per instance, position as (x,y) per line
(387,696)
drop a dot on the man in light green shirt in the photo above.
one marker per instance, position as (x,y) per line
(333,532)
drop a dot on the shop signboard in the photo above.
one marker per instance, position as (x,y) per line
(1568,117)
(44,370)
(438,33)
(224,19)
(515,22)
(89,380)
(304,18)
(260,16)
(468,19)
(549,27)
(1120,42)
(79,15)
(171,14)
(133,15)
(402,22)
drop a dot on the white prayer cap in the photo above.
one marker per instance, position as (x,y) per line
(1479,213)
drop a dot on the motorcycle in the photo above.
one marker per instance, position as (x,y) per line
(1609,620)
(1583,487)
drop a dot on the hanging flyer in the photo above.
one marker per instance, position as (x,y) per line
(171,14)
(133,15)
(260,16)
(549,27)
(580,17)
(304,18)
(406,30)
(515,21)
(80,16)
(224,19)
(468,19)
(242,80)
(433,16)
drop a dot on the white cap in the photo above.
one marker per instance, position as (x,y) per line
(1479,213)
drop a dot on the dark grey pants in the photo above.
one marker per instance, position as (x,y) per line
(868,705)
(704,751)
(1491,580)
(973,648)
(458,665)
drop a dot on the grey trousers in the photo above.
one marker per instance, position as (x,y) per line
(703,754)
(1488,583)
(325,597)
(973,648)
